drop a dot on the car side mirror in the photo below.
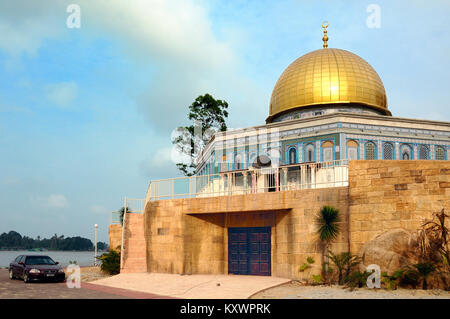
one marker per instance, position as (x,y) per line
(57,263)
(21,263)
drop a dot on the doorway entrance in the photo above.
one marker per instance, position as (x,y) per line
(249,251)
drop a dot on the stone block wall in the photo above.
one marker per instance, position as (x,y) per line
(187,236)
(191,235)
(386,195)
(115,236)
(134,246)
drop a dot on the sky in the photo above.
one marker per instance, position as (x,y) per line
(86,114)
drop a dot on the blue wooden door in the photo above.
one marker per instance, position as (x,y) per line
(249,251)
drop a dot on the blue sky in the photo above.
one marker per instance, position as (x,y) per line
(86,114)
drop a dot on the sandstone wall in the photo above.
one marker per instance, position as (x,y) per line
(134,247)
(115,236)
(386,195)
(191,236)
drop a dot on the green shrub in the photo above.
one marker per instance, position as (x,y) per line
(345,262)
(110,262)
(317,279)
(357,279)
(307,265)
(423,271)
(410,279)
(392,281)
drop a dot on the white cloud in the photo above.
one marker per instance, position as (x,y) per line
(174,37)
(51,201)
(25,24)
(160,165)
(98,209)
(56,201)
(62,94)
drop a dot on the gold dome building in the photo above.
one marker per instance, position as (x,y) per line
(328,77)
(327,105)
(329,139)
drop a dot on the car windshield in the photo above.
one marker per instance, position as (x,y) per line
(39,260)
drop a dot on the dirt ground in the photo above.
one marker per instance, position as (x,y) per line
(92,273)
(295,290)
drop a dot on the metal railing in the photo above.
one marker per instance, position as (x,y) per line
(271,179)
(115,218)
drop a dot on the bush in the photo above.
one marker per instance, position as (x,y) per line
(393,280)
(357,279)
(317,279)
(307,265)
(410,279)
(110,262)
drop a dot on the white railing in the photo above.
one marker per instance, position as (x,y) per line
(115,218)
(271,179)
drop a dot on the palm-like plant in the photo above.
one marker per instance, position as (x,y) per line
(424,270)
(328,228)
(344,263)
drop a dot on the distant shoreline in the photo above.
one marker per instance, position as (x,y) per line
(49,250)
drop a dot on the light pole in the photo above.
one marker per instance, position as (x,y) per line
(95,245)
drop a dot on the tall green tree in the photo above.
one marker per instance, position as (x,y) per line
(122,213)
(328,228)
(208,116)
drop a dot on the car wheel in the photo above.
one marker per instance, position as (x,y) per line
(25,278)
(11,275)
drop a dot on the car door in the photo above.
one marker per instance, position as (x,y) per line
(15,264)
(20,267)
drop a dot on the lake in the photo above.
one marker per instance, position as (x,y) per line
(83,258)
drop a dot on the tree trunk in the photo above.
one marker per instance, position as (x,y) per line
(326,259)
(424,285)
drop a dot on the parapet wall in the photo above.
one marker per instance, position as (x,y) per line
(115,236)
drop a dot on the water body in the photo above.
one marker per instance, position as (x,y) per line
(83,258)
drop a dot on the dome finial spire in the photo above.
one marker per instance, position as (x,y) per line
(325,25)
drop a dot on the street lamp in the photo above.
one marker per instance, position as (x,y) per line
(95,245)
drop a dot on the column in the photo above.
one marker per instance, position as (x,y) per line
(397,151)
(222,184)
(277,182)
(285,178)
(313,176)
(301,177)
(245,187)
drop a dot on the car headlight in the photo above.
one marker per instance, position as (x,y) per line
(61,270)
(34,271)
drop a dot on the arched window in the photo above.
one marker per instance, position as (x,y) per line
(238,162)
(388,151)
(292,155)
(309,153)
(440,154)
(352,150)
(406,152)
(424,152)
(327,151)
(370,151)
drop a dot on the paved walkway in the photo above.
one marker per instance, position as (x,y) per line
(193,286)
(17,289)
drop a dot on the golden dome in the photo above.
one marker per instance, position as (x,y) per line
(328,76)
